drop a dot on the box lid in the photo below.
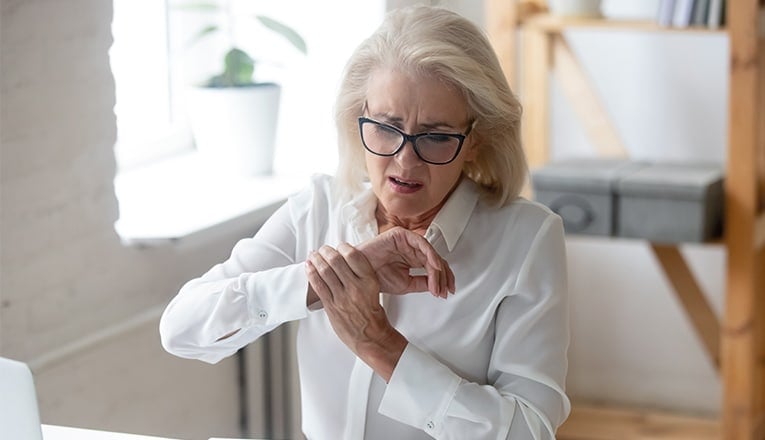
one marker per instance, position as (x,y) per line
(687,181)
(595,176)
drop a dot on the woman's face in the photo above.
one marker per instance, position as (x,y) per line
(406,187)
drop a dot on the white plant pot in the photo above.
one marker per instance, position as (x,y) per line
(575,8)
(234,128)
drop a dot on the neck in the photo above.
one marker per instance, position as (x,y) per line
(419,224)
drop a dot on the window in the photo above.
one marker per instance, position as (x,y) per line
(154,59)
(148,127)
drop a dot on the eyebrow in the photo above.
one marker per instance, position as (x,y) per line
(390,119)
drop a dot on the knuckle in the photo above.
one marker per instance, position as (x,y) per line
(348,251)
(333,258)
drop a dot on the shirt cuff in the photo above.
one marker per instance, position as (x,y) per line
(277,295)
(420,391)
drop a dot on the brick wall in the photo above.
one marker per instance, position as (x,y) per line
(64,276)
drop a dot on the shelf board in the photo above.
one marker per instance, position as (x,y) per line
(592,422)
(552,23)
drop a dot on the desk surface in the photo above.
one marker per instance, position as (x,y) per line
(54,432)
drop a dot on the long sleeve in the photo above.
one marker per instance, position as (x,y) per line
(524,396)
(259,287)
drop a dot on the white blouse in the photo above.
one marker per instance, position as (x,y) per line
(488,362)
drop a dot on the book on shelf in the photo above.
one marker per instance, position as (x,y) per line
(716,14)
(685,13)
(666,12)
(700,12)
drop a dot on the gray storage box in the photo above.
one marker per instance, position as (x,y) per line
(671,203)
(582,192)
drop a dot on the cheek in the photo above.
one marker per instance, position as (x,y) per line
(375,165)
(445,179)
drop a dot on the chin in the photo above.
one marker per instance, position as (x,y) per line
(408,209)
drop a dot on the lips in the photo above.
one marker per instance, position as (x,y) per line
(409,183)
(404,185)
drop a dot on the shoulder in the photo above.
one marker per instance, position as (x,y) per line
(512,229)
(521,213)
(318,186)
(316,195)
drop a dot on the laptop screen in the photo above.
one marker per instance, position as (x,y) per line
(19,416)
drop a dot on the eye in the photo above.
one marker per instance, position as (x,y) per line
(384,130)
(438,139)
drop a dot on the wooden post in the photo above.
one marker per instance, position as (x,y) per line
(501,23)
(691,297)
(744,324)
(535,94)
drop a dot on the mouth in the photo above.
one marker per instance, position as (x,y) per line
(404,184)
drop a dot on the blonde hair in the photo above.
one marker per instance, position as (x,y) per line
(426,40)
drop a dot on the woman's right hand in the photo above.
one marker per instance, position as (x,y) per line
(394,252)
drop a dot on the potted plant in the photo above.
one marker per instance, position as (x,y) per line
(233,116)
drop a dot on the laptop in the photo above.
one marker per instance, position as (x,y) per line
(19,416)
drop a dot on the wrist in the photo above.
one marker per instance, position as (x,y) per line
(311,296)
(366,249)
(382,354)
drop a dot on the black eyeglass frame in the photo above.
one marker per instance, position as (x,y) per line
(413,139)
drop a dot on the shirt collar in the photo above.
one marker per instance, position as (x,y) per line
(450,220)
(359,212)
(453,217)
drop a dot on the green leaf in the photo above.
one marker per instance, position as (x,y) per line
(237,71)
(285,31)
(197,6)
(203,32)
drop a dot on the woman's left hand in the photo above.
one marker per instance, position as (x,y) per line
(348,288)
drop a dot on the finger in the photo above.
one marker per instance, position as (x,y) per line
(424,251)
(336,262)
(419,283)
(326,271)
(435,282)
(317,283)
(436,267)
(356,260)
(452,283)
(443,280)
(446,278)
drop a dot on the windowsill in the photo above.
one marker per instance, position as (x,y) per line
(180,197)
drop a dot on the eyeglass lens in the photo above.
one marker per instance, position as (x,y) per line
(435,148)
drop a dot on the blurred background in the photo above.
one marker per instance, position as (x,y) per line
(92,94)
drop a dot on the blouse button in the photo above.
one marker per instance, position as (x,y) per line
(431,425)
(262,314)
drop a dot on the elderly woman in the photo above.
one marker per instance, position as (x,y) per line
(426,199)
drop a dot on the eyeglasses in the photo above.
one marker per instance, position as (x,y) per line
(387,140)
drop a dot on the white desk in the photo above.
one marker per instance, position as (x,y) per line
(54,432)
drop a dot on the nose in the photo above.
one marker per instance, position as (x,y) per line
(407,157)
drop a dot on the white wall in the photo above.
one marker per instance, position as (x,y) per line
(64,276)
(667,94)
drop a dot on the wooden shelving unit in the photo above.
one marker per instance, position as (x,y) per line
(736,343)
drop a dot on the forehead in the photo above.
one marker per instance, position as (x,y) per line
(425,97)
